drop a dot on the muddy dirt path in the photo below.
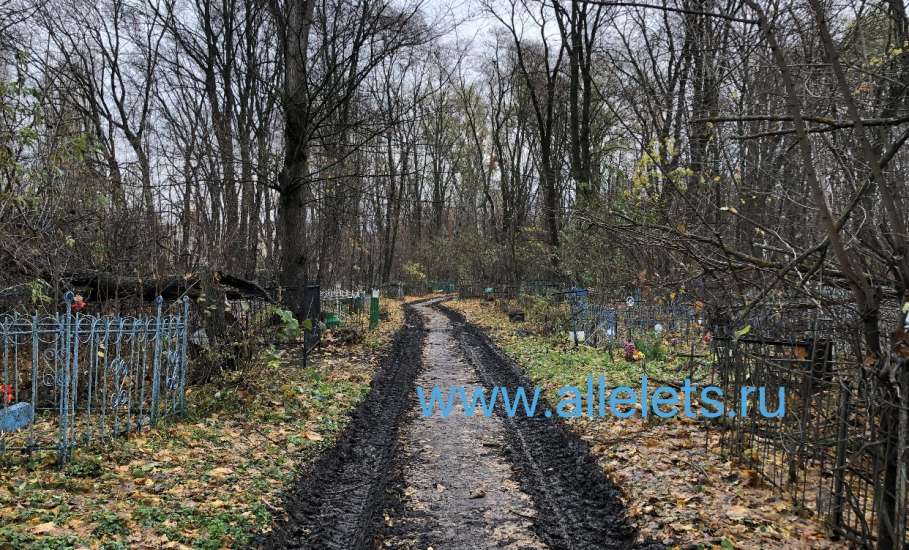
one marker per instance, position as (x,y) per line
(459,488)
(397,479)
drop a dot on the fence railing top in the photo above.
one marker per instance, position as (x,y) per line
(73,313)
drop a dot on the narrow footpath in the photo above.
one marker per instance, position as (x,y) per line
(460,489)
(398,479)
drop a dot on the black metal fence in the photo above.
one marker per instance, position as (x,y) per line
(840,449)
(836,441)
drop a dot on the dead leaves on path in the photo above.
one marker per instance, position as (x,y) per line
(207,483)
(681,493)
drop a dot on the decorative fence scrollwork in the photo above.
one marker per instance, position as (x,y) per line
(72,378)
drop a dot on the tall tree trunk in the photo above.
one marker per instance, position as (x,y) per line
(294,177)
(551,200)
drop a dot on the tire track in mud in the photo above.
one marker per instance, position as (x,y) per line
(336,501)
(578,505)
(395,479)
(455,486)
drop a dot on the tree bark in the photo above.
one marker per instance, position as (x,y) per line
(294,178)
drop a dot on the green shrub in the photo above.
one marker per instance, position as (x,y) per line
(289,329)
(290,326)
(652,345)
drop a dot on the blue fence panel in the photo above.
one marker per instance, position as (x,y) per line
(70,378)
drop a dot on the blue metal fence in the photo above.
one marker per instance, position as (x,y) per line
(70,378)
(605,323)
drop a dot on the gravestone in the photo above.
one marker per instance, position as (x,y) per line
(16,417)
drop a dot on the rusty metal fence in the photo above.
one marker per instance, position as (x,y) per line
(840,450)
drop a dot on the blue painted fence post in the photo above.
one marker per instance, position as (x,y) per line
(184,356)
(156,364)
(63,378)
(34,364)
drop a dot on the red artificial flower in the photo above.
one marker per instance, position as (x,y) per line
(78,303)
(708,338)
(7,392)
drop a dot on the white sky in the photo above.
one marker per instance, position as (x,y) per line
(469,25)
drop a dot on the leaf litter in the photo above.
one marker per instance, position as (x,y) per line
(678,488)
(210,480)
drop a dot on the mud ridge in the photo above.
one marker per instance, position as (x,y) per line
(454,486)
(579,506)
(337,500)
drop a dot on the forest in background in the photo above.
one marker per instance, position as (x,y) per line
(737,166)
(738,147)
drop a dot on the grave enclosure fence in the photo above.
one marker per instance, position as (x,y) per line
(840,449)
(70,378)
(95,370)
(601,318)
(344,308)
